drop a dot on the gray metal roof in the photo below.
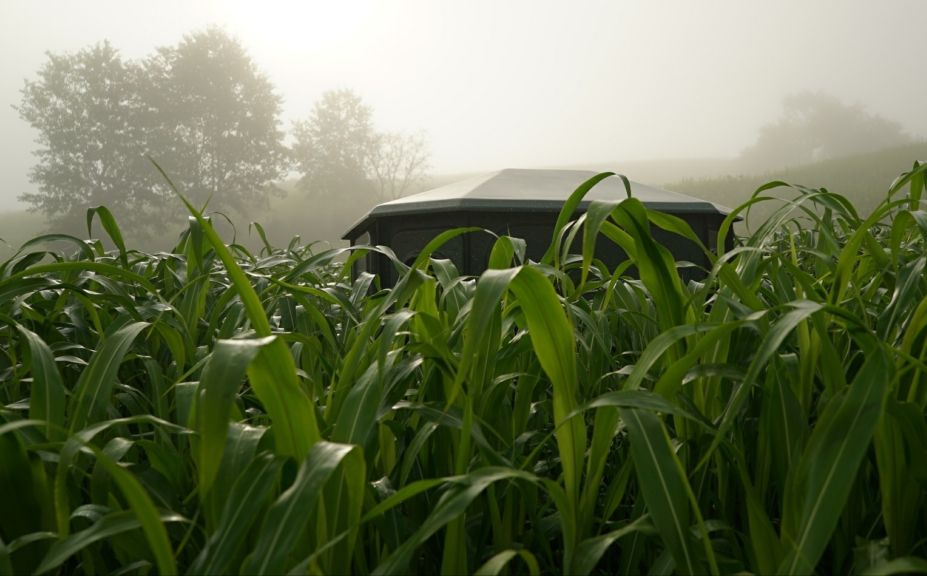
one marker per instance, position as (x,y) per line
(517,190)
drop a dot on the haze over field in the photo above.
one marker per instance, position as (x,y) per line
(517,84)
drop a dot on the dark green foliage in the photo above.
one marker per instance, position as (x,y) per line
(212,410)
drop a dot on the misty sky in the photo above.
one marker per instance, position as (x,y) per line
(503,83)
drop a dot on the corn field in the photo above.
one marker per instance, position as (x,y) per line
(213,410)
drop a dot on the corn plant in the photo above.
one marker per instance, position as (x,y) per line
(213,410)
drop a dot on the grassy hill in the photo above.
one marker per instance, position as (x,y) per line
(863,179)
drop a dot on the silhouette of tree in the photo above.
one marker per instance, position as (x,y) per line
(201,109)
(332,147)
(85,107)
(214,121)
(817,126)
(342,158)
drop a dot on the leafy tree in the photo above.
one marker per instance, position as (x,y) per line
(201,109)
(214,121)
(342,158)
(817,126)
(85,107)
(333,146)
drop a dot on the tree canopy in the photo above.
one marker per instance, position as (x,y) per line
(332,147)
(210,119)
(201,109)
(215,121)
(85,107)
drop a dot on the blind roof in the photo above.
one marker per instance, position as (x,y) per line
(518,190)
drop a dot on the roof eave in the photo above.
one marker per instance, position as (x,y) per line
(359,227)
(525,206)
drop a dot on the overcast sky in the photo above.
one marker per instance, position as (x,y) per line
(500,83)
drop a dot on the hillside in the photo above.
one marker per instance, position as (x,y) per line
(863,179)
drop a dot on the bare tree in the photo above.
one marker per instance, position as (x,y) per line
(398,163)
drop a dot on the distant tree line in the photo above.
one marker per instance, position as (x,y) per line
(817,126)
(211,120)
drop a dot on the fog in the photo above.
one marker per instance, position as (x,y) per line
(516,83)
